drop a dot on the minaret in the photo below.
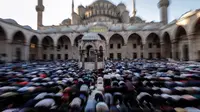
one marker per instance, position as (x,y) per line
(163,5)
(39,9)
(72,6)
(134,8)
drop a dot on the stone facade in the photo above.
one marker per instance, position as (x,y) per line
(124,37)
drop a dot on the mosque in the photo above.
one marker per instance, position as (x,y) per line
(103,30)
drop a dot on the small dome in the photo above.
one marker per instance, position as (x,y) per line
(66,22)
(151,27)
(136,20)
(81,6)
(66,29)
(134,27)
(50,30)
(82,29)
(187,14)
(12,21)
(27,27)
(116,28)
(91,36)
(121,4)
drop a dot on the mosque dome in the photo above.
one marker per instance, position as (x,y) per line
(91,36)
(66,22)
(187,14)
(82,29)
(103,8)
(27,27)
(12,21)
(66,29)
(116,28)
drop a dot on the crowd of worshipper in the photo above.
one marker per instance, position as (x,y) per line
(121,86)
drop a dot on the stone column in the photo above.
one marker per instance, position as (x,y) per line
(55,52)
(174,50)
(39,53)
(106,51)
(83,59)
(8,51)
(96,60)
(125,52)
(163,50)
(145,50)
(26,52)
(193,53)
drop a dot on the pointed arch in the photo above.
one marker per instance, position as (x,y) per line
(196,27)
(134,37)
(47,42)
(117,37)
(76,40)
(33,48)
(180,33)
(63,40)
(3,35)
(19,38)
(167,48)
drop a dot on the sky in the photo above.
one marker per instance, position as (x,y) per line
(23,11)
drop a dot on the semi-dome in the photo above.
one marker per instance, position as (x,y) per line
(99,24)
(82,29)
(27,27)
(116,28)
(66,29)
(91,36)
(12,21)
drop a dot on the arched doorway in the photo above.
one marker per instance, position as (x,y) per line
(3,43)
(116,44)
(134,46)
(77,40)
(90,54)
(64,48)
(181,44)
(34,48)
(185,52)
(18,46)
(152,46)
(48,48)
(167,49)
